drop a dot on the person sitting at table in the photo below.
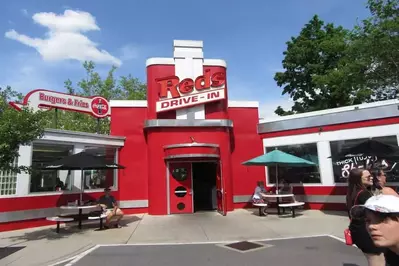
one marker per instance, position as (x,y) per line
(109,204)
(286,188)
(259,193)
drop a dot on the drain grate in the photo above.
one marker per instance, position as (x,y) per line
(245,246)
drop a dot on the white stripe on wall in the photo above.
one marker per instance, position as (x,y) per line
(13,216)
(304,198)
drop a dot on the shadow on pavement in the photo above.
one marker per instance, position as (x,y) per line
(70,229)
(7,251)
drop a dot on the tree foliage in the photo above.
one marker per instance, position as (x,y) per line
(328,66)
(16,128)
(377,40)
(111,88)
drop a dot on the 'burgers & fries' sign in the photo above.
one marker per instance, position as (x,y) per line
(175,93)
(96,106)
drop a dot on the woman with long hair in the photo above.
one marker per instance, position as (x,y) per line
(360,183)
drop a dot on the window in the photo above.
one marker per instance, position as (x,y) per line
(50,180)
(96,179)
(342,167)
(309,174)
(8,181)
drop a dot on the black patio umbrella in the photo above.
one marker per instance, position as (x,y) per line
(82,161)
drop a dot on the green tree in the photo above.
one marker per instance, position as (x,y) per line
(111,88)
(311,62)
(376,46)
(16,128)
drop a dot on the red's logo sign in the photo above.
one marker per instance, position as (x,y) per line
(175,94)
(179,88)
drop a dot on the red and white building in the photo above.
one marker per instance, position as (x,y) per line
(183,147)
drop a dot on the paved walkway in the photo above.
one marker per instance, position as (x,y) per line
(310,251)
(42,246)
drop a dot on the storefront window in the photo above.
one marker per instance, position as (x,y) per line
(8,181)
(50,180)
(98,179)
(309,174)
(343,167)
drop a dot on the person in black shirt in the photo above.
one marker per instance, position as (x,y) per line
(381,214)
(360,182)
(108,202)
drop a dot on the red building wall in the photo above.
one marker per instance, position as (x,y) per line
(246,144)
(133,180)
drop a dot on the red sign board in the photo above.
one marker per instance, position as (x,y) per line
(97,106)
(175,94)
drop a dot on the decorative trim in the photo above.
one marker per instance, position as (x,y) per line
(79,134)
(167,188)
(183,145)
(143,103)
(27,214)
(22,215)
(343,134)
(198,155)
(243,104)
(128,103)
(333,116)
(188,43)
(171,61)
(215,62)
(133,203)
(159,61)
(303,198)
(188,123)
(66,136)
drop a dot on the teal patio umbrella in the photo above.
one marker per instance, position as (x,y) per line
(278,158)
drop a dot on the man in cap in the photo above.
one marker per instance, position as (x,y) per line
(382,220)
(108,202)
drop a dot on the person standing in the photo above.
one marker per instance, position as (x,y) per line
(359,191)
(381,215)
(379,183)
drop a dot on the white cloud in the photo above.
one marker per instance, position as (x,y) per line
(267,108)
(129,52)
(65,39)
(24,12)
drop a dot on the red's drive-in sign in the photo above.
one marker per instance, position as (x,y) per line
(175,94)
(97,106)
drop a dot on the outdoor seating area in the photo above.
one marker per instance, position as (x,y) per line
(73,213)
(282,199)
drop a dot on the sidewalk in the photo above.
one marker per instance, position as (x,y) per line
(42,246)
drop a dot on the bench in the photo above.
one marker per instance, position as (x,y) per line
(292,205)
(100,217)
(59,220)
(262,208)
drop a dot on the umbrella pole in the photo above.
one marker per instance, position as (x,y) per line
(276,179)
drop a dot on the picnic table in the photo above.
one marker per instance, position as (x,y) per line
(80,211)
(278,197)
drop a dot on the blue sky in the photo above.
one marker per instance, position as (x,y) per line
(250,37)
